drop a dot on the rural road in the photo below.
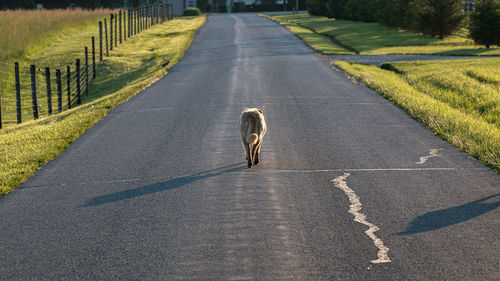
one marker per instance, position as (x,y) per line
(159,189)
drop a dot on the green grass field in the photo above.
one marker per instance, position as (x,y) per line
(131,67)
(320,43)
(458,100)
(376,39)
(24,33)
(47,38)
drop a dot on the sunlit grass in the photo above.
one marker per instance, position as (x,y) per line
(25,32)
(131,67)
(458,100)
(320,43)
(376,39)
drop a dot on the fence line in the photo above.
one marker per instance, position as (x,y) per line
(34,92)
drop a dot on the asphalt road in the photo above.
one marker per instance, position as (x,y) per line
(159,189)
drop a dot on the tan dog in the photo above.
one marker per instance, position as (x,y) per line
(253,128)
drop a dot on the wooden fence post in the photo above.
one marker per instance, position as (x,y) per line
(120,18)
(49,90)
(86,71)
(0,108)
(93,57)
(153,16)
(111,32)
(141,18)
(78,88)
(68,81)
(106,35)
(59,90)
(128,23)
(33,92)
(18,93)
(116,30)
(100,41)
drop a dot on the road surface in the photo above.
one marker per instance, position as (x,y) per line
(349,188)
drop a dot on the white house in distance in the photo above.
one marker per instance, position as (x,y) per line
(180,5)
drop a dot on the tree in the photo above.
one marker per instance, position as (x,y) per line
(336,9)
(396,13)
(26,4)
(360,10)
(317,7)
(440,17)
(485,23)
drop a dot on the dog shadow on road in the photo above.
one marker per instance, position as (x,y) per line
(162,186)
(446,217)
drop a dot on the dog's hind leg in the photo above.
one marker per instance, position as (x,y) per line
(249,155)
(256,153)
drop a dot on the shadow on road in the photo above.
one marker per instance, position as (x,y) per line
(162,186)
(442,218)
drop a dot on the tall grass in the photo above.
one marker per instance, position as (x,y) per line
(46,38)
(23,32)
(458,100)
(472,86)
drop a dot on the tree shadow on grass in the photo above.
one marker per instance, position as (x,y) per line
(442,218)
(162,186)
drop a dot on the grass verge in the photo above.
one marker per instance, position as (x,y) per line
(376,39)
(320,43)
(130,68)
(457,105)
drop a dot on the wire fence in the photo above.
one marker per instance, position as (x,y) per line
(33,92)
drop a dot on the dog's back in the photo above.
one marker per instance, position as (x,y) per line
(252,125)
(253,128)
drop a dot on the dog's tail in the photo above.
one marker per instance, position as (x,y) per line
(252,137)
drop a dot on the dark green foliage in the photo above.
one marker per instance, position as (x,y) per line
(335,9)
(360,10)
(203,5)
(26,4)
(317,7)
(433,17)
(440,17)
(396,13)
(192,12)
(485,23)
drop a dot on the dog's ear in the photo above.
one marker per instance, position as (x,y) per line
(260,110)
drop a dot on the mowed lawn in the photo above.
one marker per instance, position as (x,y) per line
(131,67)
(376,39)
(458,100)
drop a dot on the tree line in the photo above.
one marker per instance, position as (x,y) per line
(89,4)
(437,18)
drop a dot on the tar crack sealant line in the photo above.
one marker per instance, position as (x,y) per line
(355,210)
(434,152)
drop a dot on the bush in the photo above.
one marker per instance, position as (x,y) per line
(317,7)
(192,12)
(26,4)
(335,9)
(440,17)
(359,10)
(485,23)
(397,13)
